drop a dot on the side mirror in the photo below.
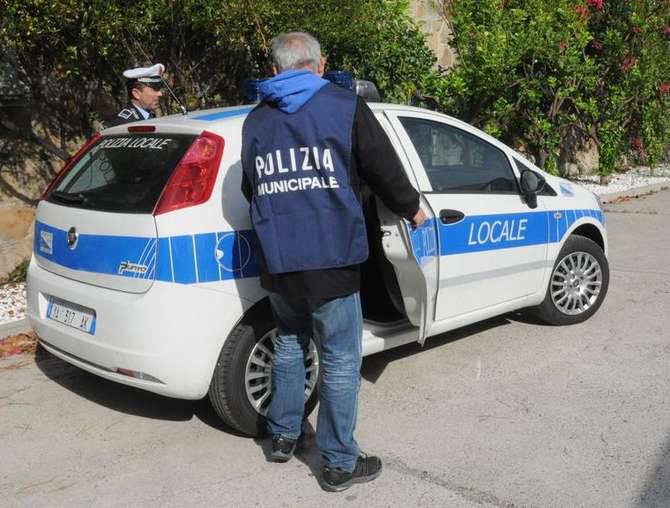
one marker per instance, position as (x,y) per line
(531,184)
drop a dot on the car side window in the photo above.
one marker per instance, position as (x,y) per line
(456,161)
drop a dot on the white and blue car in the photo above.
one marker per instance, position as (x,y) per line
(144,269)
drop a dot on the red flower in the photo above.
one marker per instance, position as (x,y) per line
(637,144)
(597,4)
(664,88)
(582,12)
(666,31)
(636,30)
(628,63)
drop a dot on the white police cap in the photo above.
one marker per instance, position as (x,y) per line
(145,74)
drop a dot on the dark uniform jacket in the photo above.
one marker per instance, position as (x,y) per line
(128,114)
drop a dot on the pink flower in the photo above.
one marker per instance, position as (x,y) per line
(664,88)
(582,12)
(637,144)
(628,63)
(562,45)
(596,4)
(596,44)
(666,31)
(636,30)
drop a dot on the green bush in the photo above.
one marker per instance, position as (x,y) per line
(631,45)
(533,72)
(74,53)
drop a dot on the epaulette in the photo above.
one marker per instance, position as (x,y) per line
(126,113)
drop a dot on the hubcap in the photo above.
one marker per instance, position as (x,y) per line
(257,375)
(576,283)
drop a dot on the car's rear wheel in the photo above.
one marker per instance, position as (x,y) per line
(578,283)
(240,391)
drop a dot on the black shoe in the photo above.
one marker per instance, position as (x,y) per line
(366,470)
(282,449)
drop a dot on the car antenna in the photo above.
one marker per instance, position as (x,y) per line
(181,105)
(183,109)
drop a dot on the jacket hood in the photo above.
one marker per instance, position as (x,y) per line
(290,90)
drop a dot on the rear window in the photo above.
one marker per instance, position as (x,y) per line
(122,173)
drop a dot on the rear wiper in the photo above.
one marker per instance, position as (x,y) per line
(68,198)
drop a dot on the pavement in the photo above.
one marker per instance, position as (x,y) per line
(504,413)
(635,192)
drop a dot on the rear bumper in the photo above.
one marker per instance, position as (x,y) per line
(172,334)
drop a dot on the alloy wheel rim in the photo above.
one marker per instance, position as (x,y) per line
(258,372)
(576,283)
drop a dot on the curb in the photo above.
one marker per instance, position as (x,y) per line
(14,327)
(635,192)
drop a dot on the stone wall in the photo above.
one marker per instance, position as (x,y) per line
(16,237)
(429,15)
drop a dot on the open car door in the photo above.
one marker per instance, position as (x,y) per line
(414,256)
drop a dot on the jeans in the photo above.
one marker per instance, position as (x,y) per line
(338,324)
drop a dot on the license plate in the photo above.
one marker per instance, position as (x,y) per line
(71,314)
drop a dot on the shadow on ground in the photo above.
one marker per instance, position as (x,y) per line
(133,401)
(125,399)
(655,491)
(374,366)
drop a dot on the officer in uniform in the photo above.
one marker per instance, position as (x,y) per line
(144,92)
(306,149)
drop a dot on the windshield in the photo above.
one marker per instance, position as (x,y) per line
(122,173)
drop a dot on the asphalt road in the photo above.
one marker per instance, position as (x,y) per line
(505,413)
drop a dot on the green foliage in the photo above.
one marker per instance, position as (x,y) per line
(631,45)
(19,273)
(74,52)
(524,76)
(531,72)
(535,73)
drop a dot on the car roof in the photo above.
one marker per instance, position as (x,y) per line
(211,119)
(217,119)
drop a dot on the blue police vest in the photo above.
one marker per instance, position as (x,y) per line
(304,211)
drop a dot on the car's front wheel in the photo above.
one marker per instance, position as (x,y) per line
(578,283)
(240,391)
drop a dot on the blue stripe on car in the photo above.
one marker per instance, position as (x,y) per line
(98,253)
(227,255)
(498,231)
(211,117)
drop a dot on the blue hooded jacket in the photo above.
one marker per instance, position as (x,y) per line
(296,152)
(290,90)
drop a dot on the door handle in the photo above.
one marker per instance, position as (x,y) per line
(451,216)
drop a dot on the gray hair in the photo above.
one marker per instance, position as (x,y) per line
(296,50)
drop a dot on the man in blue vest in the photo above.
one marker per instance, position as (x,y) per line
(306,150)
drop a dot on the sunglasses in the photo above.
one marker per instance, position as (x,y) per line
(154,86)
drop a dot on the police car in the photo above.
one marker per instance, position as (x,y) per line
(144,269)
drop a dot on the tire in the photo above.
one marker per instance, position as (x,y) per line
(578,283)
(245,351)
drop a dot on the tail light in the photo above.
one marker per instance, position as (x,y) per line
(142,128)
(192,180)
(70,162)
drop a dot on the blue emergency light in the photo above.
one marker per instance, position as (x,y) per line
(366,89)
